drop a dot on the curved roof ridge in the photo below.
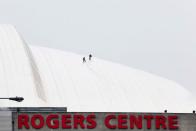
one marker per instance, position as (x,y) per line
(18,65)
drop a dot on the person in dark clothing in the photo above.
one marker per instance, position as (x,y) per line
(90,56)
(84,59)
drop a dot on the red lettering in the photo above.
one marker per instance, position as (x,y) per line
(160,122)
(52,121)
(134,121)
(23,120)
(148,121)
(107,121)
(172,122)
(91,122)
(66,121)
(37,121)
(79,120)
(122,122)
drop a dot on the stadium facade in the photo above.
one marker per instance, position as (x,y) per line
(51,78)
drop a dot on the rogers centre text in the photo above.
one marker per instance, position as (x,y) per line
(110,121)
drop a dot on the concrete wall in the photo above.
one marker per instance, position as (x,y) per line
(5,121)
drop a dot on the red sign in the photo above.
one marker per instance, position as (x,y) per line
(110,121)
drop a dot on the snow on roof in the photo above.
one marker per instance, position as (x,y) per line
(49,77)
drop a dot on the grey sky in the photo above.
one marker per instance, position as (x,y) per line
(157,36)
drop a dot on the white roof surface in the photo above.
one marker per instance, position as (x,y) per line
(49,77)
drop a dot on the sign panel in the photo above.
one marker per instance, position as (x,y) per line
(45,121)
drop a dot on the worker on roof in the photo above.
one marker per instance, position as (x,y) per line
(84,59)
(90,57)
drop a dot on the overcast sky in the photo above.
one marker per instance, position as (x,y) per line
(157,36)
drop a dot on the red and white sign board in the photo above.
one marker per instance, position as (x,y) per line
(104,121)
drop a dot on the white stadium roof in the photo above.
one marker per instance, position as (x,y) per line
(53,78)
